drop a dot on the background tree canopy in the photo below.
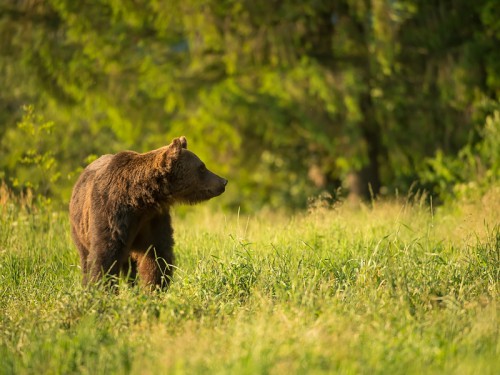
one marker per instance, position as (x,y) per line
(286,99)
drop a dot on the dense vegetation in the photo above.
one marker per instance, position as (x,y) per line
(286,99)
(390,288)
(289,100)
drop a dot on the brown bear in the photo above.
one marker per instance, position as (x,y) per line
(119,211)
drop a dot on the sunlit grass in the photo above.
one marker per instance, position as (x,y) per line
(390,287)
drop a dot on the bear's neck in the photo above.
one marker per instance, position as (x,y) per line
(142,178)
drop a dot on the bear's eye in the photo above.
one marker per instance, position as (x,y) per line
(202,168)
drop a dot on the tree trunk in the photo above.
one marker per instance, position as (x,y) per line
(364,184)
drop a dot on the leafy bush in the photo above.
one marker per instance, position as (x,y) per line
(30,161)
(473,171)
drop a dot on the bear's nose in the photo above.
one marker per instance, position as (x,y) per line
(224,181)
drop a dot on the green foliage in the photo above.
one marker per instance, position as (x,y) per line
(475,169)
(389,289)
(30,158)
(289,98)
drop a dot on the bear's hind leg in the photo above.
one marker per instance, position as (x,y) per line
(129,270)
(84,253)
(104,264)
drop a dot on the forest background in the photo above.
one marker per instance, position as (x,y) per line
(287,99)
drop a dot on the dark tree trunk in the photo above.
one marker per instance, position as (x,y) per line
(364,184)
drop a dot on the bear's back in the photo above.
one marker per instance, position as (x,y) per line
(80,197)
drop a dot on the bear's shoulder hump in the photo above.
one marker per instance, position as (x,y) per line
(100,163)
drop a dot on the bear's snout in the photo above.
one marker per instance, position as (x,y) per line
(222,186)
(216,183)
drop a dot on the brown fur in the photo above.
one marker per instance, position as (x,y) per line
(119,210)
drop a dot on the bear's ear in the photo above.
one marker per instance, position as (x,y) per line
(171,153)
(184,142)
(174,149)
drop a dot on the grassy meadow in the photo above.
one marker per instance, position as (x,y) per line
(387,288)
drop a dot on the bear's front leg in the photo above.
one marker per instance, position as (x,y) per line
(156,268)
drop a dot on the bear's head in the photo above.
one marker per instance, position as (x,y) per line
(189,180)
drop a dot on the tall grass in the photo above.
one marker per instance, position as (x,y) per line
(389,288)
